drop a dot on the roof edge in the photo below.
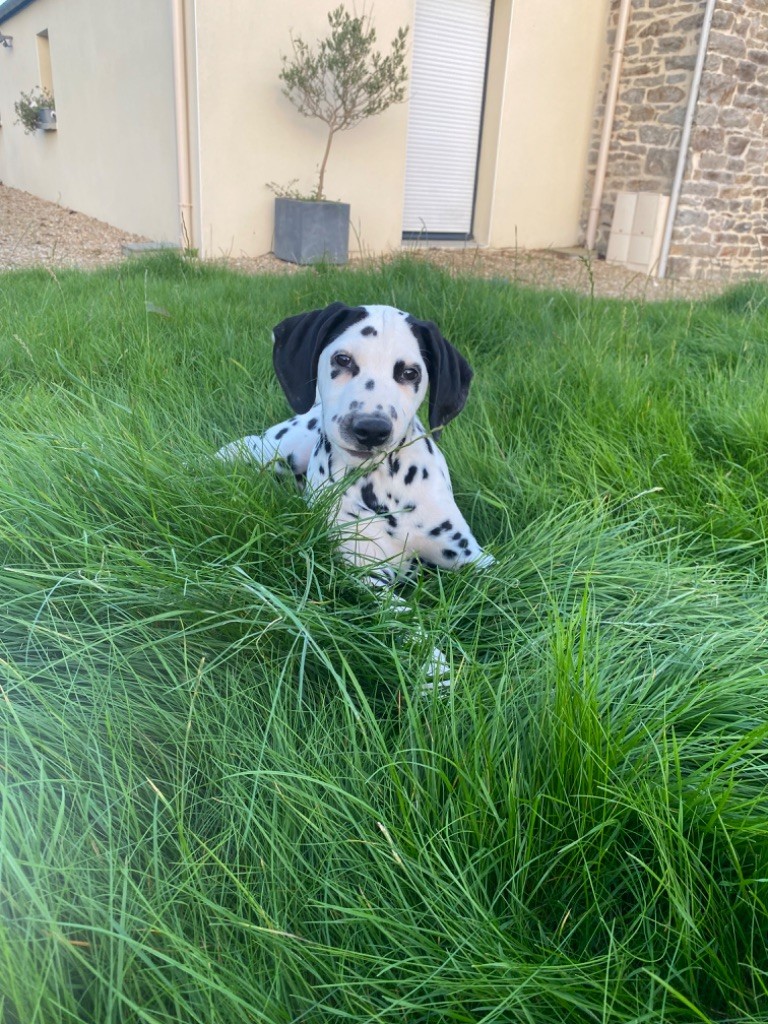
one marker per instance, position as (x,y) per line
(10,7)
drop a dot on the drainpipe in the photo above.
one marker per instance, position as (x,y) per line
(181,101)
(610,110)
(682,156)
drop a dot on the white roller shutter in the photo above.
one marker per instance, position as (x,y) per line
(450,45)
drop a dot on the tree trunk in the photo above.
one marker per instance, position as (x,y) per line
(321,177)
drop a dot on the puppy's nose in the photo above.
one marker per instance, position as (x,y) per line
(371,430)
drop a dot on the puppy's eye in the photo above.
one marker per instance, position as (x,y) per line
(341,359)
(408,375)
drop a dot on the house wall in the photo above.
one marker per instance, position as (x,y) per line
(250,133)
(548,55)
(545,62)
(721,222)
(113,155)
(656,73)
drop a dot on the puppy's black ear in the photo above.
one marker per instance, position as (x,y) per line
(449,373)
(299,340)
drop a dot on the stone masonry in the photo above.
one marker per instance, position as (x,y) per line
(721,225)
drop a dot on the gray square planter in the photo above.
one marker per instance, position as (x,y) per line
(46,119)
(311,232)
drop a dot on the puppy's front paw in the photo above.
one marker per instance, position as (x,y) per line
(248,449)
(438,673)
(483,560)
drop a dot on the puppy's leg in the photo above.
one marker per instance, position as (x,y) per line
(290,442)
(366,546)
(447,541)
(437,670)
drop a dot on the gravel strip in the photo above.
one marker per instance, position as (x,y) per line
(34,232)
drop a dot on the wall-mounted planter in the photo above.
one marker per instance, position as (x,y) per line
(35,109)
(46,119)
(307,231)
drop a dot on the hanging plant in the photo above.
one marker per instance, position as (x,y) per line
(31,108)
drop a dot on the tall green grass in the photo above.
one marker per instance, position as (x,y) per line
(222,797)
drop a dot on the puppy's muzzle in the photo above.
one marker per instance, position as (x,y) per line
(368,430)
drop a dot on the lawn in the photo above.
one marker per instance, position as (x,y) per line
(224,801)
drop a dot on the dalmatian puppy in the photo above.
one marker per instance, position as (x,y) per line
(355,378)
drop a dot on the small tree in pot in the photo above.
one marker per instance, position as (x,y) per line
(341,83)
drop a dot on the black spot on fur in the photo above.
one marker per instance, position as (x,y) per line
(394,465)
(370,385)
(392,521)
(409,476)
(312,423)
(449,553)
(424,473)
(335,373)
(369,331)
(370,500)
(428,443)
(281,433)
(444,527)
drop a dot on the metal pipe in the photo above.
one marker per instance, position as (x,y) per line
(181,102)
(194,141)
(682,155)
(610,111)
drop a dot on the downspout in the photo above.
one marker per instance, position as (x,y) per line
(682,156)
(181,102)
(194,142)
(610,111)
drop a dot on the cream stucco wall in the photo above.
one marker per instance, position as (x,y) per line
(250,134)
(545,62)
(549,54)
(114,153)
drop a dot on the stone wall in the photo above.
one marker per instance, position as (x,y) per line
(722,218)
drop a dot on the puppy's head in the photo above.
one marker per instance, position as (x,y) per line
(370,366)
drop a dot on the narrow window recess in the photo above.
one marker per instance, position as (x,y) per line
(44,61)
(47,118)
